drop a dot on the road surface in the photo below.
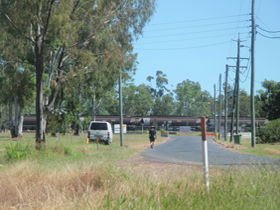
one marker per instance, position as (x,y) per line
(187,150)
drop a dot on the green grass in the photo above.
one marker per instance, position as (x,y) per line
(269,150)
(67,148)
(227,191)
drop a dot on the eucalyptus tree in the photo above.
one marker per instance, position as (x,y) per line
(57,34)
(137,100)
(17,91)
(192,101)
(163,101)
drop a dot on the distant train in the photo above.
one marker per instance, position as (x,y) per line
(171,122)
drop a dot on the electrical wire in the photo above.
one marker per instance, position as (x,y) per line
(197,32)
(269,37)
(267,30)
(201,19)
(248,67)
(189,39)
(262,22)
(196,26)
(185,48)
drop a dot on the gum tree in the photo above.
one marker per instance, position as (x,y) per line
(56,33)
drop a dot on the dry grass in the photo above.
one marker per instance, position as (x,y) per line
(28,186)
(113,178)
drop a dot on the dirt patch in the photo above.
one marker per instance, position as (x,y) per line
(272,151)
(230,146)
(2,149)
(142,167)
(146,146)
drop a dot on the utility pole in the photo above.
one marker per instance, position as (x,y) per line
(237,75)
(220,106)
(121,109)
(237,86)
(234,97)
(253,124)
(226,105)
(215,118)
(232,113)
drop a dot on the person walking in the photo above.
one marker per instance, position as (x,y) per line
(152,136)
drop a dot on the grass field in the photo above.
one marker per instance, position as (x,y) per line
(270,150)
(70,174)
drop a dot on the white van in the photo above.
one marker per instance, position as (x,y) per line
(100,131)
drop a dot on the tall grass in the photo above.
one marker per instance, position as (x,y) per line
(70,174)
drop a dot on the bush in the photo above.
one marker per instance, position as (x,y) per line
(17,151)
(270,132)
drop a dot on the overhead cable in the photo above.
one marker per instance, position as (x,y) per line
(201,19)
(184,48)
(267,30)
(196,26)
(269,37)
(195,32)
(193,38)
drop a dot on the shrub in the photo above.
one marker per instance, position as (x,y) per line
(17,151)
(270,132)
(62,150)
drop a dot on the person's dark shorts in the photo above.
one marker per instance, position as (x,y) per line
(152,139)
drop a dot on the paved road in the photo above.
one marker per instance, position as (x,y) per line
(187,150)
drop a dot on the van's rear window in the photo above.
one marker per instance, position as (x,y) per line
(98,126)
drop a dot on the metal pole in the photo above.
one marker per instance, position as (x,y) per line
(205,152)
(215,118)
(220,106)
(253,123)
(121,109)
(226,105)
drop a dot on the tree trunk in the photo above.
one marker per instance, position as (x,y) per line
(1,121)
(15,119)
(77,129)
(40,118)
(18,120)
(20,125)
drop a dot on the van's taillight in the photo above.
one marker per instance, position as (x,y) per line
(108,135)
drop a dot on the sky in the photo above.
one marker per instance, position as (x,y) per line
(191,39)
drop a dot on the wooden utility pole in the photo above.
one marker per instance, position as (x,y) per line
(226,104)
(232,113)
(253,124)
(121,109)
(237,86)
(215,111)
(220,106)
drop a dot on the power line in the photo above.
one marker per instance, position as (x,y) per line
(201,19)
(196,32)
(185,48)
(196,26)
(262,21)
(267,30)
(269,37)
(189,39)
(247,70)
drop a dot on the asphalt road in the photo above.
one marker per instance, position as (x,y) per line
(187,150)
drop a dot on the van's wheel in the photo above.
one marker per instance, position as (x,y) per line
(107,142)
